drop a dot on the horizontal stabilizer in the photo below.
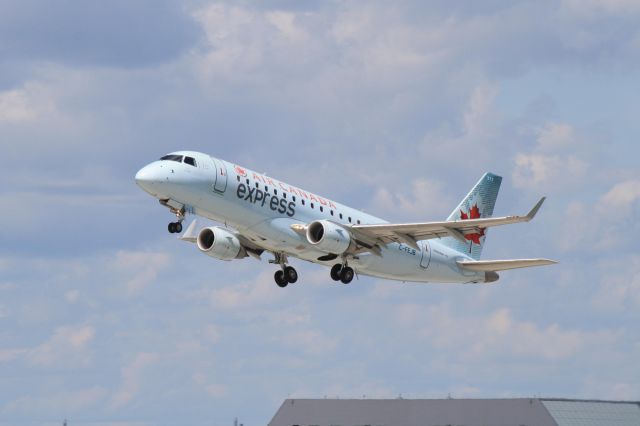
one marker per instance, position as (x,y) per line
(502,265)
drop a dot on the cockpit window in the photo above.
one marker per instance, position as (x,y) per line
(173,157)
(190,160)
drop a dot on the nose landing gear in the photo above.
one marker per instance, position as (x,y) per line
(175,227)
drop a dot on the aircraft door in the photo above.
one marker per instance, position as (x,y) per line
(220,183)
(426,254)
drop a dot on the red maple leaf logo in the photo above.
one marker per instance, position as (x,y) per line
(474,213)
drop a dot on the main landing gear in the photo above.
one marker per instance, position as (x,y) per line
(340,272)
(285,276)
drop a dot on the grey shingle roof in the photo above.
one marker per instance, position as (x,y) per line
(453,412)
(412,412)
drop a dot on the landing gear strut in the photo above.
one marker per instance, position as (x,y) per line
(287,275)
(340,272)
(176,227)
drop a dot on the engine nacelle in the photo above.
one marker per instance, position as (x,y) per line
(328,237)
(220,243)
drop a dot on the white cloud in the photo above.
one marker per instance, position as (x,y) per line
(72,296)
(619,284)
(139,269)
(212,332)
(285,23)
(26,104)
(246,295)
(311,342)
(422,199)
(620,198)
(132,376)
(468,141)
(5,264)
(479,116)
(603,224)
(214,390)
(596,8)
(489,338)
(546,168)
(7,355)
(61,403)
(554,136)
(15,107)
(622,389)
(68,346)
(547,172)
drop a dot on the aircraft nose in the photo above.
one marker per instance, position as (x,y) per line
(147,177)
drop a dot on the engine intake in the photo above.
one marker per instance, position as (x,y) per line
(220,243)
(328,237)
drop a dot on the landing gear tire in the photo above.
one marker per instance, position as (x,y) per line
(175,227)
(290,274)
(280,279)
(335,272)
(346,275)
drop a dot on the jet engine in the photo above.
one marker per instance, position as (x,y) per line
(328,237)
(220,243)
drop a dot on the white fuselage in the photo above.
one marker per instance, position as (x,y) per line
(263,209)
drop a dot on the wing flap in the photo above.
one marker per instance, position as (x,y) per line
(502,265)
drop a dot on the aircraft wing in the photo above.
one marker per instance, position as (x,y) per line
(411,233)
(503,265)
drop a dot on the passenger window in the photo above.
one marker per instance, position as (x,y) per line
(303,202)
(358,221)
(275,191)
(340,215)
(266,188)
(257,185)
(321,209)
(331,212)
(284,195)
(293,197)
(238,178)
(247,181)
(349,219)
(311,205)
(190,161)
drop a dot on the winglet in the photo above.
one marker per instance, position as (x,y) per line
(535,208)
(190,234)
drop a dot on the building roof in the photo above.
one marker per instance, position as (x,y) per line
(456,412)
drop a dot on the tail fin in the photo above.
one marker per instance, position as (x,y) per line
(477,204)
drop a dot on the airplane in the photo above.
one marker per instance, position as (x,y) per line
(262,214)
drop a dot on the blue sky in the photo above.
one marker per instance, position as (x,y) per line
(395,108)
